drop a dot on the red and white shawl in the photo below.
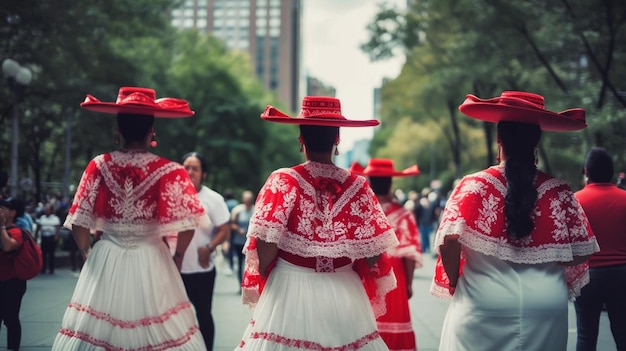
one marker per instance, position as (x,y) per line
(320,210)
(475,212)
(134,193)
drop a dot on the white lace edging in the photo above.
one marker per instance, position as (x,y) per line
(576,286)
(439,291)
(501,248)
(384,285)
(100,224)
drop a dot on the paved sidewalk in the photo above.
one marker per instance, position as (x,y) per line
(48,295)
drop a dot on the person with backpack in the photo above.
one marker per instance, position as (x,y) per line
(12,289)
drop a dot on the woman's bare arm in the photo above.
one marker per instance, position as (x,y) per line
(267,254)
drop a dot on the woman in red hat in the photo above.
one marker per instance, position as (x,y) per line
(395,325)
(513,241)
(314,227)
(130,295)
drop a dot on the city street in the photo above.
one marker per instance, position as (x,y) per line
(47,296)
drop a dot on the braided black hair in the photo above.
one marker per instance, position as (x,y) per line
(519,141)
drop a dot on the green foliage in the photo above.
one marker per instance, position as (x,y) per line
(94,47)
(571,52)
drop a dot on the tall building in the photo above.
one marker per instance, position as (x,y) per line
(268,29)
(316,87)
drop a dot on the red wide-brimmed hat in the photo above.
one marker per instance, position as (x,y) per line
(523,107)
(317,111)
(382,167)
(140,101)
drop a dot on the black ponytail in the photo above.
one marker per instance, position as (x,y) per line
(519,141)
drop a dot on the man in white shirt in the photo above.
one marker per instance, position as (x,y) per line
(198,267)
(48,226)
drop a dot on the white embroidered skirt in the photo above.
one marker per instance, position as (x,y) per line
(129,299)
(300,310)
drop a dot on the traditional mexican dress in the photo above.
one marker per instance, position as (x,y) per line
(129,295)
(325,221)
(512,294)
(395,325)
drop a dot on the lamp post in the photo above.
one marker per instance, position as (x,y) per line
(18,78)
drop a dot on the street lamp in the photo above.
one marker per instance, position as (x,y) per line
(18,78)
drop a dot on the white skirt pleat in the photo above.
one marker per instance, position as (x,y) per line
(300,309)
(129,299)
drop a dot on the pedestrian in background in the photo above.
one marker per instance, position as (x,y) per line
(513,240)
(605,206)
(316,226)
(198,268)
(49,228)
(12,289)
(395,325)
(239,221)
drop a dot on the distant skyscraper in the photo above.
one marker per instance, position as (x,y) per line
(316,87)
(268,29)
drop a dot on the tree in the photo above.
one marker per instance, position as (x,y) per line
(565,50)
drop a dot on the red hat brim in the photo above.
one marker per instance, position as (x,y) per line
(369,171)
(516,110)
(163,108)
(272,114)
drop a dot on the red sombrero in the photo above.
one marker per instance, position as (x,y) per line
(522,107)
(382,167)
(140,101)
(317,111)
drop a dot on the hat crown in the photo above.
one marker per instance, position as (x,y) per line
(136,95)
(320,106)
(535,99)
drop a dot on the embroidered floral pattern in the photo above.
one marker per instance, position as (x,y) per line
(311,345)
(165,345)
(291,214)
(130,324)
(124,193)
(475,211)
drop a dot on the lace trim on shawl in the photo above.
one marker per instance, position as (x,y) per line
(274,232)
(298,245)
(384,285)
(134,213)
(501,248)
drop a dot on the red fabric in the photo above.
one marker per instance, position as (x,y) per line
(134,192)
(7,271)
(395,326)
(475,211)
(316,210)
(605,206)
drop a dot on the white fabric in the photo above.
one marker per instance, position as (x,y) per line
(93,316)
(504,306)
(48,225)
(217,211)
(333,307)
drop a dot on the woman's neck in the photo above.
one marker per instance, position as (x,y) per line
(319,157)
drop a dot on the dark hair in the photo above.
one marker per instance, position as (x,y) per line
(319,138)
(380,185)
(134,127)
(4,179)
(599,165)
(204,166)
(16,204)
(519,141)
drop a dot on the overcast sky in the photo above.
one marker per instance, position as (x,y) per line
(332,32)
